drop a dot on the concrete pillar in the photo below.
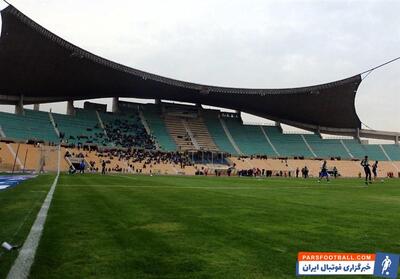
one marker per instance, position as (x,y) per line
(19,107)
(357,135)
(36,107)
(199,109)
(239,113)
(278,124)
(318,132)
(396,139)
(115,105)
(70,108)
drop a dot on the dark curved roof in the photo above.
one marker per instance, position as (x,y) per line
(43,67)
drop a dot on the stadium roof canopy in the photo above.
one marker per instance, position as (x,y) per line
(42,67)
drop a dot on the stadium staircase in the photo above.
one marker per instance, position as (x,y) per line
(269,141)
(179,133)
(200,133)
(250,138)
(101,123)
(217,133)
(347,150)
(359,150)
(229,136)
(308,146)
(288,145)
(158,128)
(147,128)
(327,148)
(54,124)
(393,150)
(190,133)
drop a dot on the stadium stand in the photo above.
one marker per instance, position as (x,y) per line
(183,138)
(187,128)
(158,128)
(249,138)
(393,150)
(201,134)
(211,119)
(34,125)
(327,148)
(358,150)
(126,130)
(83,128)
(118,138)
(289,145)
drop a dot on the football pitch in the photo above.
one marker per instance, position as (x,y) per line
(120,226)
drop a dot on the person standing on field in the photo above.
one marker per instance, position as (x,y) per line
(375,169)
(324,172)
(103,167)
(367,170)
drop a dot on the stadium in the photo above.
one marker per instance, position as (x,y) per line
(180,187)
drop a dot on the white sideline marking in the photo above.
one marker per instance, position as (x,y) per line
(23,263)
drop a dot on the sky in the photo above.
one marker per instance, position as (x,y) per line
(253,43)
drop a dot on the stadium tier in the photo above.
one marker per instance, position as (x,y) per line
(288,145)
(81,129)
(393,151)
(358,150)
(126,130)
(327,148)
(172,129)
(217,132)
(33,125)
(158,129)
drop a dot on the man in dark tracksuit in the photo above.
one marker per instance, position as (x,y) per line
(367,170)
(375,169)
(103,167)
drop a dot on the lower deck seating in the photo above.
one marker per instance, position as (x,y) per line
(33,125)
(158,128)
(249,138)
(327,148)
(83,128)
(211,119)
(290,145)
(126,130)
(201,134)
(146,162)
(201,129)
(358,150)
(393,150)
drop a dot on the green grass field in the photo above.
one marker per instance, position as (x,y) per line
(196,227)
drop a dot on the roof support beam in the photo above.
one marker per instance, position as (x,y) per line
(70,108)
(19,107)
(115,105)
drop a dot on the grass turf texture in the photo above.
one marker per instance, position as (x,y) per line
(206,227)
(19,206)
